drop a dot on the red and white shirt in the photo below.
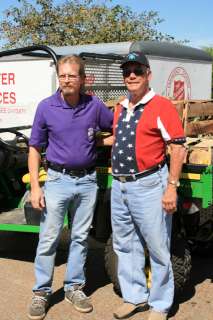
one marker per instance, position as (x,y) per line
(141,134)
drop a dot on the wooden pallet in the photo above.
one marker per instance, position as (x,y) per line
(196,116)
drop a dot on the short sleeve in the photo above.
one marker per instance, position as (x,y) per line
(105,117)
(170,124)
(39,135)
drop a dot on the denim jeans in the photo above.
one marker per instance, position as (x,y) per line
(138,220)
(60,190)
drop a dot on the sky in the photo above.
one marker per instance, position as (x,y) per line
(183,19)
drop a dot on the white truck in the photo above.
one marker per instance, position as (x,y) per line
(179,72)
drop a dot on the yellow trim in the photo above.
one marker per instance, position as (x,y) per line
(42,176)
(190,176)
(149,279)
(104,170)
(148,276)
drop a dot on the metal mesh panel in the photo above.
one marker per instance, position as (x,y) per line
(107,94)
(104,79)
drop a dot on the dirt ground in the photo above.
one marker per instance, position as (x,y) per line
(17,253)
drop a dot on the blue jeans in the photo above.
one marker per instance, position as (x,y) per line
(59,190)
(138,219)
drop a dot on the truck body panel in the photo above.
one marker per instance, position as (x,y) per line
(26,79)
(23,84)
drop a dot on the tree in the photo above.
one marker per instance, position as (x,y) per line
(209,50)
(76,22)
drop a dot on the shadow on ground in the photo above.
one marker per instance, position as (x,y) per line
(22,246)
(95,275)
(18,245)
(201,270)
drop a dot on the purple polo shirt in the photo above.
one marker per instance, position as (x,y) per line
(69,133)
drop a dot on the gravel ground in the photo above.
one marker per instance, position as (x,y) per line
(17,253)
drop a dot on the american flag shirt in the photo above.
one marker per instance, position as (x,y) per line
(141,133)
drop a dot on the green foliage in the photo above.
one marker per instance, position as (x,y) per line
(209,50)
(76,22)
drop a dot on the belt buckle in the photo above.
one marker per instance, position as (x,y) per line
(77,173)
(122,179)
(71,173)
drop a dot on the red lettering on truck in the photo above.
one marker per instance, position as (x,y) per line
(11,78)
(7,97)
(7,78)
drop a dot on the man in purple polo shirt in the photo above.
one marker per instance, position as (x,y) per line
(65,124)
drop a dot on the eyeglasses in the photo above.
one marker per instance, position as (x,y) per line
(70,77)
(138,71)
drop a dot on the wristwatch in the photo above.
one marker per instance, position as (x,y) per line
(175,183)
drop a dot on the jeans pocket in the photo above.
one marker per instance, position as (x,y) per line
(92,176)
(150,180)
(53,175)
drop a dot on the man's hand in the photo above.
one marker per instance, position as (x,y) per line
(37,198)
(102,140)
(169,200)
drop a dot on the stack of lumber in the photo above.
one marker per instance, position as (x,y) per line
(197,119)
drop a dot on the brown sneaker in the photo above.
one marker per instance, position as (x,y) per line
(126,309)
(39,305)
(154,315)
(79,300)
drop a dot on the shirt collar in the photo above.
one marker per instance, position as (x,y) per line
(57,101)
(144,100)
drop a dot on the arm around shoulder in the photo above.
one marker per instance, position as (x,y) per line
(105,141)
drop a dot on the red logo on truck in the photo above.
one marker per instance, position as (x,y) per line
(179,90)
(178,86)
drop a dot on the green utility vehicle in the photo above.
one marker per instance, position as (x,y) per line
(18,101)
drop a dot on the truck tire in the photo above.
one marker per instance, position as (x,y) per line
(111,265)
(181,263)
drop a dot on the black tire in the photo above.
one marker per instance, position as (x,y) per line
(111,265)
(181,263)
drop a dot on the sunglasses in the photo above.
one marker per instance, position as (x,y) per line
(138,71)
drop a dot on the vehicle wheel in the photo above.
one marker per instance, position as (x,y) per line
(111,265)
(181,263)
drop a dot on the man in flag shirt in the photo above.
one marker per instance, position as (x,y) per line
(144,191)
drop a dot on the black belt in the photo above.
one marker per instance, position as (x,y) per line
(70,171)
(134,177)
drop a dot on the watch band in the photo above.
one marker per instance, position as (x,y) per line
(175,183)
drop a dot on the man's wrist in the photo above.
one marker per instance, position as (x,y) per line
(35,187)
(175,183)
